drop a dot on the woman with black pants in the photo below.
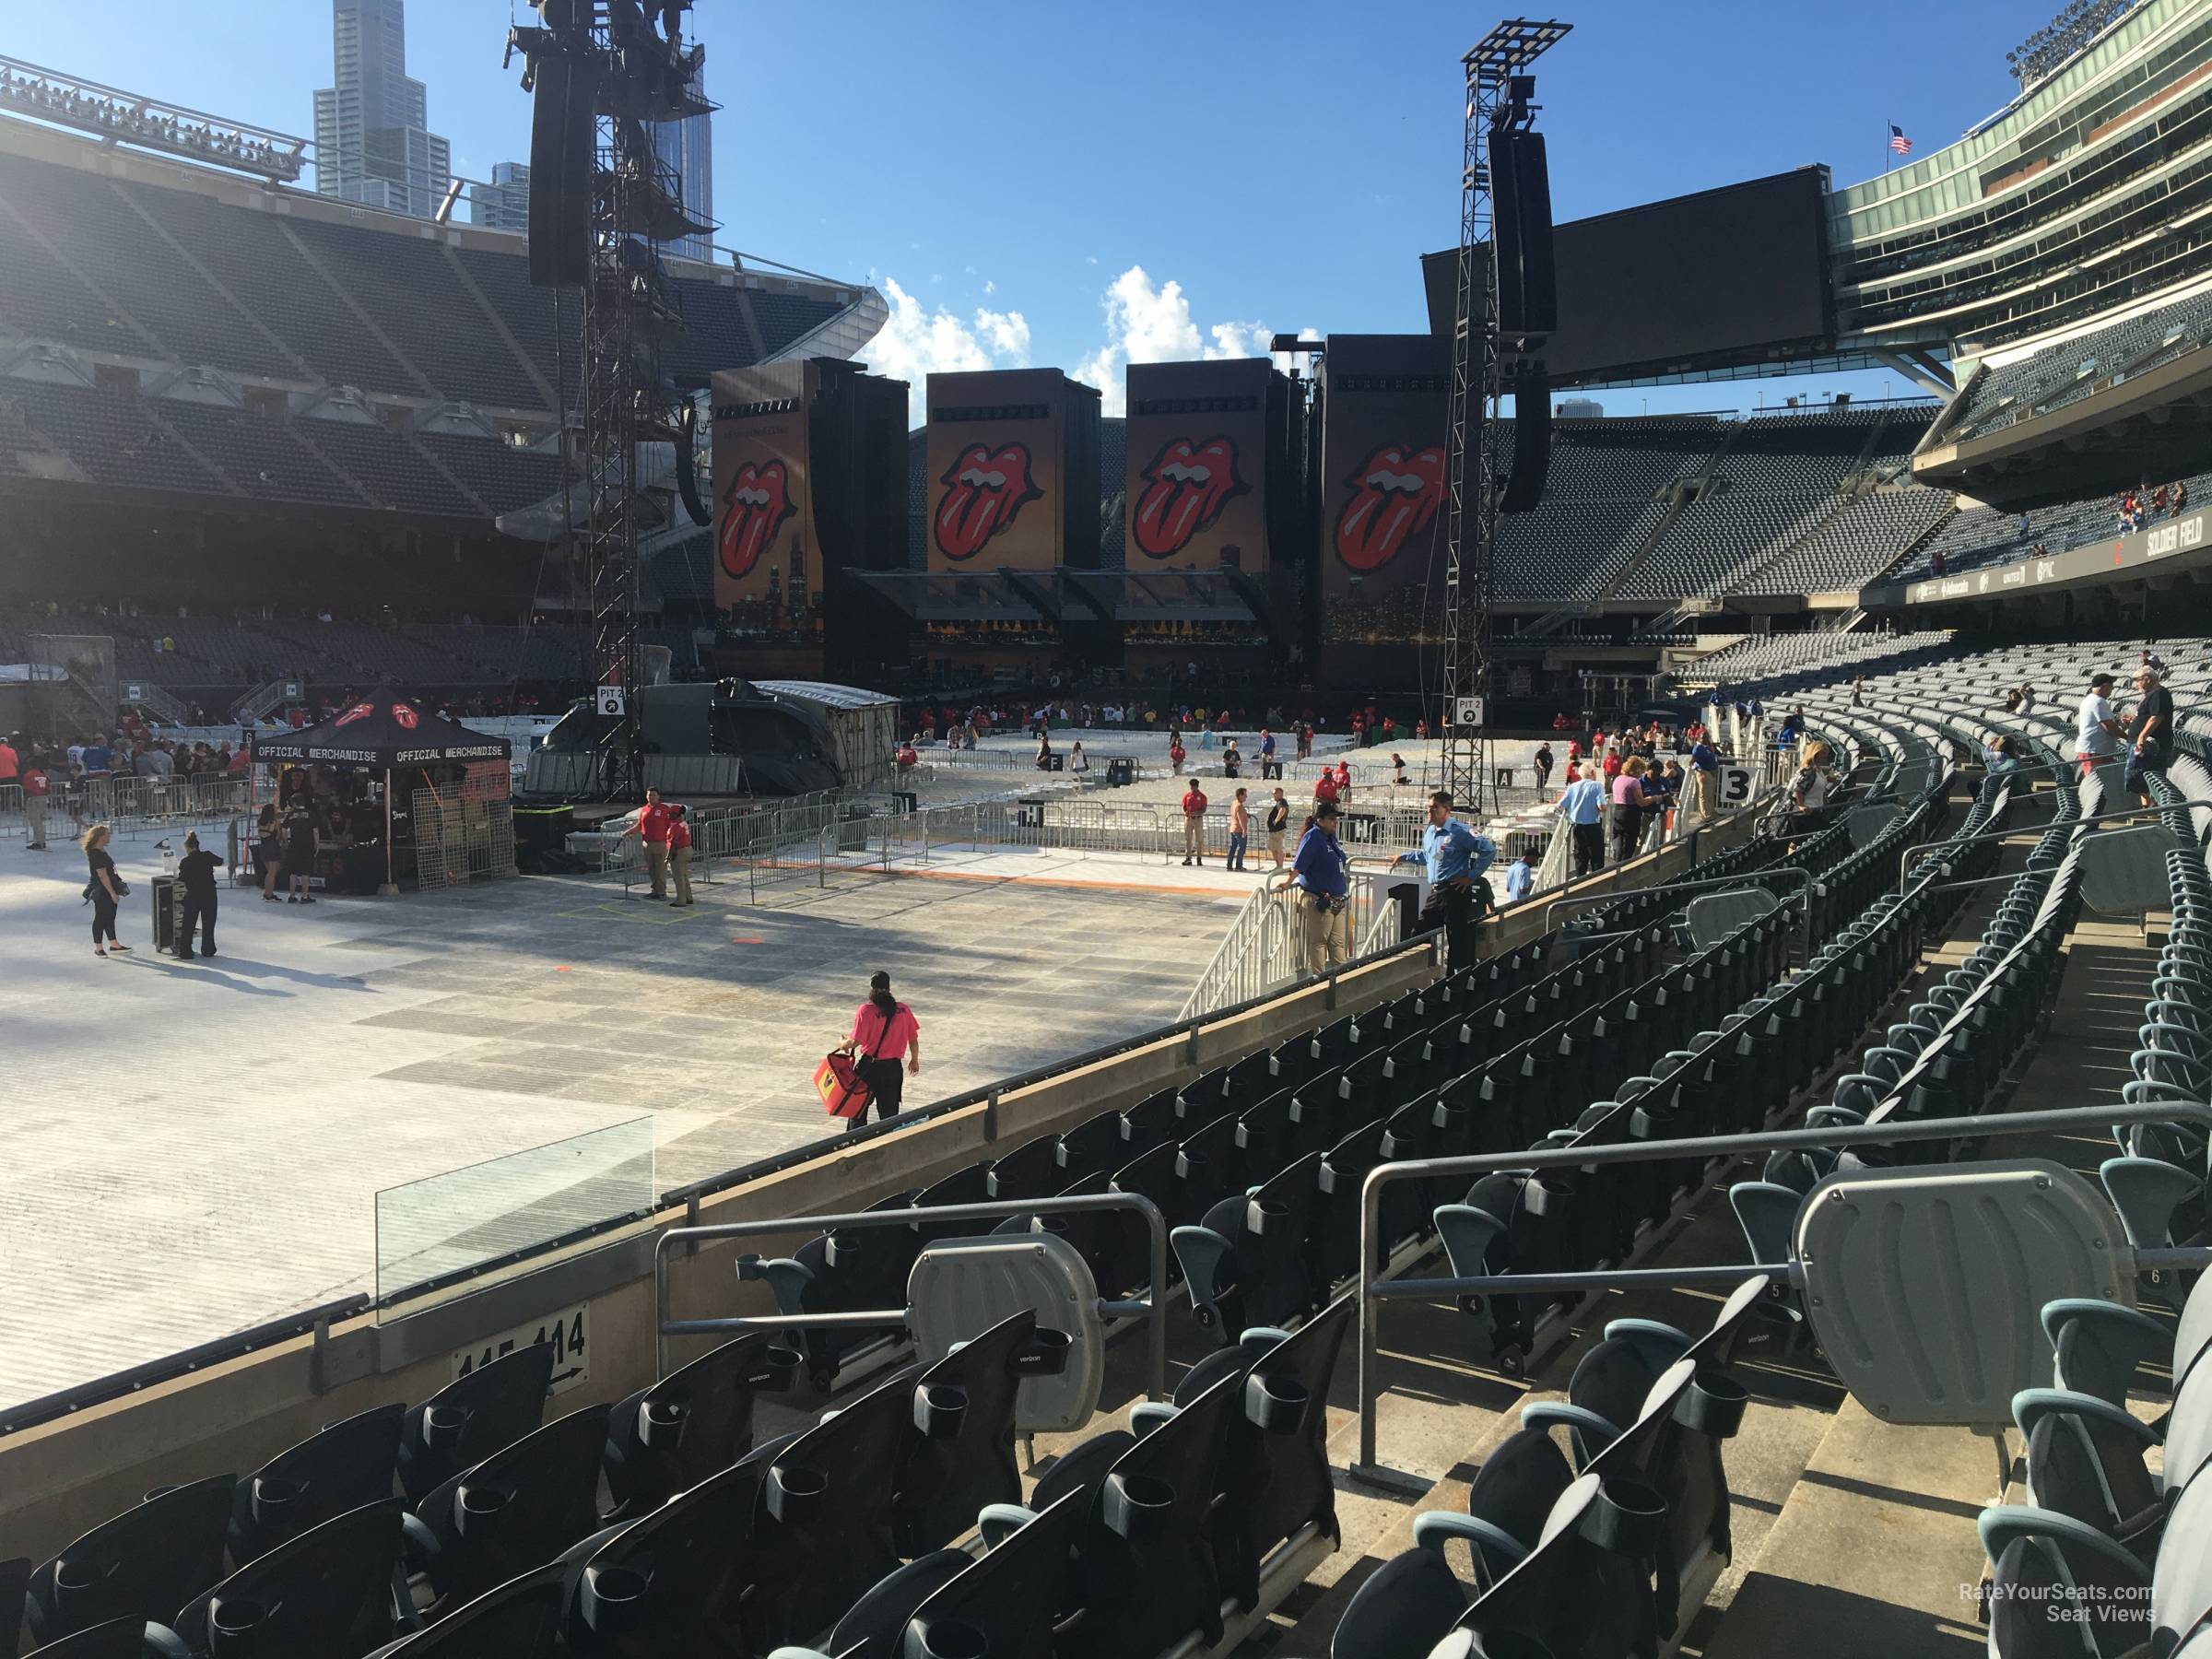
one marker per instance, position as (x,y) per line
(884,1028)
(105,889)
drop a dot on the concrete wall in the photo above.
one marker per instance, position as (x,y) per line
(60,1479)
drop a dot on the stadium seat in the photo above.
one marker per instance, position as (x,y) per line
(694,1422)
(143,1565)
(487,1409)
(348,1463)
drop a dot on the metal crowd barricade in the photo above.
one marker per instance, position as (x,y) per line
(13,825)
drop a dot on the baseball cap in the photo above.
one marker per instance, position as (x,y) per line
(1326,809)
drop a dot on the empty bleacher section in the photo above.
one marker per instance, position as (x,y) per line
(1776,482)
(137,273)
(1977,537)
(1854,546)
(1601,501)
(1765,656)
(2050,376)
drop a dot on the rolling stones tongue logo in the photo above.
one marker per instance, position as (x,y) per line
(358,712)
(755,508)
(405,715)
(1395,494)
(1186,485)
(986,488)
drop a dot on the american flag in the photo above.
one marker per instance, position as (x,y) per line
(1897,141)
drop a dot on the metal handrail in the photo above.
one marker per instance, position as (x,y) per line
(1153,1307)
(1373,1291)
(1903,870)
(1748,879)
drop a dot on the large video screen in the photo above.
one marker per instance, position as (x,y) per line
(1385,420)
(1197,479)
(767,568)
(995,469)
(1734,276)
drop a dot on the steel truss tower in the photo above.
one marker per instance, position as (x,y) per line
(628,306)
(1477,383)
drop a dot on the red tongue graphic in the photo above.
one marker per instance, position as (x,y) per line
(754,511)
(1186,487)
(985,490)
(1395,494)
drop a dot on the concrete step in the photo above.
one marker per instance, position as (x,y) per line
(1874,1550)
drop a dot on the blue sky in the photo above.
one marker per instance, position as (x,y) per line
(1076,185)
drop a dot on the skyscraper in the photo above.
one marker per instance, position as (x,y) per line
(504,204)
(688,147)
(373,142)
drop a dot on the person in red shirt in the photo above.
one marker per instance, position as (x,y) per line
(652,831)
(10,763)
(1193,824)
(679,856)
(1324,788)
(1344,779)
(883,1029)
(1611,766)
(1175,754)
(35,788)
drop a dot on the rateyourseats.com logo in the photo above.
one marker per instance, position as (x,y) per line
(2060,1604)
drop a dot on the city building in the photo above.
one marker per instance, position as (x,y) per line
(504,204)
(372,140)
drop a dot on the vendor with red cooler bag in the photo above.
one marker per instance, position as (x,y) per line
(884,1031)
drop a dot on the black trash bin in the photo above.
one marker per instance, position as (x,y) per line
(165,897)
(1121,771)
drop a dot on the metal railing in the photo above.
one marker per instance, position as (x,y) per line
(1264,948)
(1373,1291)
(1153,1306)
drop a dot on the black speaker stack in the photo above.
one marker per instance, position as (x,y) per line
(563,116)
(1528,299)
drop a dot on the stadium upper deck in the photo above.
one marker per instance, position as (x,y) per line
(2086,192)
(165,326)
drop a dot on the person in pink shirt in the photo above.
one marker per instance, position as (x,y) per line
(884,1029)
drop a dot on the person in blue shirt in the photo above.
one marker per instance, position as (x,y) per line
(1582,805)
(1706,761)
(1458,897)
(1520,878)
(1324,888)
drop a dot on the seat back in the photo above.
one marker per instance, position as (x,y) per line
(143,1564)
(326,1590)
(1147,1562)
(959,1452)
(480,1412)
(347,1464)
(822,1526)
(518,1620)
(1007,1603)
(694,1422)
(673,1580)
(518,1507)
(1274,1468)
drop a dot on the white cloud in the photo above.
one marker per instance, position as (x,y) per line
(1150,322)
(1006,333)
(916,342)
(990,287)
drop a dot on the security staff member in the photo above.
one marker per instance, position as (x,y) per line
(1456,858)
(1324,891)
(195,877)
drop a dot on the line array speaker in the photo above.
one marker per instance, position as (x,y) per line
(1529,304)
(1532,439)
(562,128)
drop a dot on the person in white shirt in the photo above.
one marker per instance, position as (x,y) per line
(2097,728)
